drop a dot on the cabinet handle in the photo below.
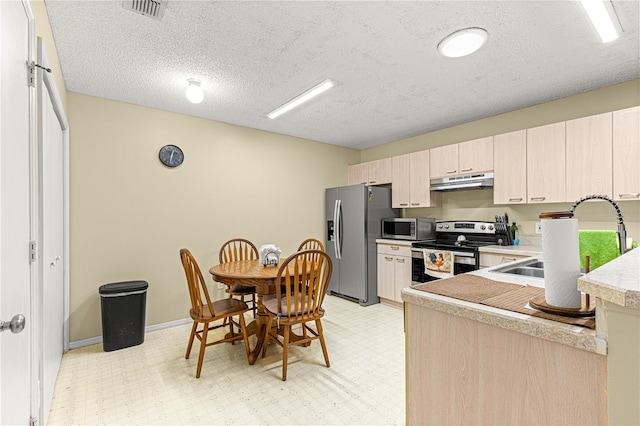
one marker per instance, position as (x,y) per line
(395,248)
(466,170)
(515,199)
(364,183)
(538,198)
(450,172)
(415,204)
(404,204)
(399,260)
(507,259)
(388,259)
(629,195)
(372,181)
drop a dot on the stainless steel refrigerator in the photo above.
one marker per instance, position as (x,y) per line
(354,214)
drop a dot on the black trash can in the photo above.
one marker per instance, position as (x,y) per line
(123,314)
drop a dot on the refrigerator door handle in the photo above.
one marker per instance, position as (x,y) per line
(338,231)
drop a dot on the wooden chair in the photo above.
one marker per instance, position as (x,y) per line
(299,304)
(240,249)
(311,244)
(204,312)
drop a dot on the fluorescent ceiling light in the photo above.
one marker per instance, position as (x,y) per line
(301,98)
(602,16)
(463,42)
(194,92)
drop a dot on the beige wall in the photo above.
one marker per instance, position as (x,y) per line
(478,204)
(130,215)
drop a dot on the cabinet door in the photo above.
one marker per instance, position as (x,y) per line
(420,195)
(475,156)
(626,154)
(386,276)
(589,156)
(510,168)
(443,161)
(402,275)
(380,171)
(401,181)
(546,164)
(358,173)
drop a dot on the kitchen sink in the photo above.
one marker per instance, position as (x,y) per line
(528,268)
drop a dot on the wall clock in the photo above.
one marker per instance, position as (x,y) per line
(171,156)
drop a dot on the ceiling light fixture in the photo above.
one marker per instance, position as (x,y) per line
(603,18)
(301,98)
(463,42)
(194,92)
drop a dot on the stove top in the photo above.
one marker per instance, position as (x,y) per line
(468,235)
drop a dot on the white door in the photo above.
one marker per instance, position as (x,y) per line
(16,220)
(52,125)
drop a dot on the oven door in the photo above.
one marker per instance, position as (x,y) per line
(464,261)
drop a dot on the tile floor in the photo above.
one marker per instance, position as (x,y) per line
(154,384)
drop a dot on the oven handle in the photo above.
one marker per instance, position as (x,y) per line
(419,253)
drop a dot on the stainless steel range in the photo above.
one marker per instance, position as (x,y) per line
(463,239)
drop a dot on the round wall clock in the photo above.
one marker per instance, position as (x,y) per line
(171,156)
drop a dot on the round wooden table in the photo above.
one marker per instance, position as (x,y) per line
(250,273)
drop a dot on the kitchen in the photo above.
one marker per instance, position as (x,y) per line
(131,199)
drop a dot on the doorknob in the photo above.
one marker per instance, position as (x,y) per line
(16,325)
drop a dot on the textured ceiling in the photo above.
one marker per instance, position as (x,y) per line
(391,82)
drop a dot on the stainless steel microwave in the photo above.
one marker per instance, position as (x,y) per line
(409,228)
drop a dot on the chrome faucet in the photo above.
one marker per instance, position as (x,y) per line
(622,232)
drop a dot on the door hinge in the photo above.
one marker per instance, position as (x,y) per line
(33,251)
(33,421)
(31,74)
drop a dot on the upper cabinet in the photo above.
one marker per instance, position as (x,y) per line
(626,154)
(589,156)
(411,181)
(546,164)
(377,172)
(510,168)
(474,156)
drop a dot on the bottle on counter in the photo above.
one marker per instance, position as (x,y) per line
(514,234)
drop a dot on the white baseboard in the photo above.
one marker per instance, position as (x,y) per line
(98,339)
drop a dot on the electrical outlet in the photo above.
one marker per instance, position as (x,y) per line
(538,227)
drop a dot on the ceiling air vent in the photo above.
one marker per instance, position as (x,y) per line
(151,8)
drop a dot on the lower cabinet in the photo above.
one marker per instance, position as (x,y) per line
(494,259)
(394,270)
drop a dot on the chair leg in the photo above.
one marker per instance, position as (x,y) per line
(243,327)
(224,321)
(267,336)
(322,342)
(285,352)
(191,337)
(254,306)
(203,345)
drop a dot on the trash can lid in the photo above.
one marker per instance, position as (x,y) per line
(123,287)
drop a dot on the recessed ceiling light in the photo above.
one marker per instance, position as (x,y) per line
(463,42)
(301,98)
(602,16)
(194,92)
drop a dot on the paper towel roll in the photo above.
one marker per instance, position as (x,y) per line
(561,256)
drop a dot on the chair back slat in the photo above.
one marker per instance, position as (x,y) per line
(305,275)
(237,249)
(196,284)
(311,244)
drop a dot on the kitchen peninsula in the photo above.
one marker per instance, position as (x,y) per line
(468,363)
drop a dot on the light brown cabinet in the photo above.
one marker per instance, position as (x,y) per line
(626,154)
(377,172)
(394,270)
(411,181)
(546,164)
(510,168)
(473,156)
(589,156)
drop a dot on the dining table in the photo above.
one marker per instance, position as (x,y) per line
(263,278)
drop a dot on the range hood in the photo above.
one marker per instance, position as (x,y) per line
(457,183)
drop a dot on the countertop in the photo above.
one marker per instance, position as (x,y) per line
(571,335)
(394,242)
(617,281)
(520,250)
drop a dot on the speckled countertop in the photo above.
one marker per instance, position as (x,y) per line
(617,281)
(520,250)
(575,336)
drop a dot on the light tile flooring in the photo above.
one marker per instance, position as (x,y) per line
(154,384)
